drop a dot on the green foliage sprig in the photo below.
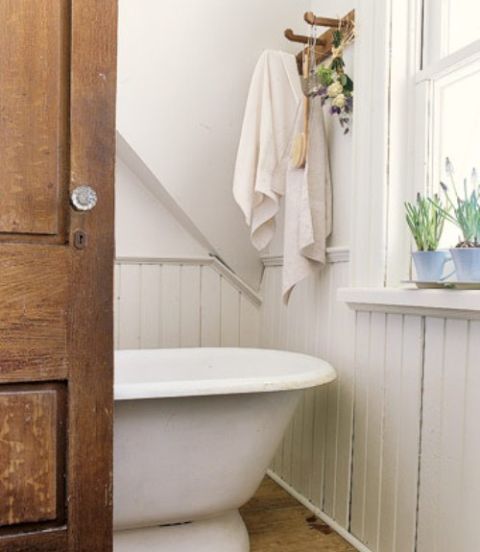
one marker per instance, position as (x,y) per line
(426,220)
(336,87)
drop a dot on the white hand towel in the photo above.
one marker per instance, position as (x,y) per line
(270,114)
(308,207)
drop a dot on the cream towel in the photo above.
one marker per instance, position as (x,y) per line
(273,116)
(308,207)
(272,108)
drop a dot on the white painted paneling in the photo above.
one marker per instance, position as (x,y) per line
(190,309)
(471,443)
(428,527)
(171,303)
(410,392)
(150,305)
(314,457)
(230,315)
(450,459)
(210,316)
(249,323)
(352,449)
(129,307)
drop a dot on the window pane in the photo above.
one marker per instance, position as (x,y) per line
(449,26)
(463,24)
(456,131)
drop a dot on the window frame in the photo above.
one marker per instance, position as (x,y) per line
(413,123)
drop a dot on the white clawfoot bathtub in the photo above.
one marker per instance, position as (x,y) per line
(195,431)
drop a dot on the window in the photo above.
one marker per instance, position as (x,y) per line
(447,88)
(450,25)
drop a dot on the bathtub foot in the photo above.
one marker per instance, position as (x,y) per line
(225,533)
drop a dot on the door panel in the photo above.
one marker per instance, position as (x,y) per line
(34,294)
(57,132)
(49,541)
(31,454)
(34,84)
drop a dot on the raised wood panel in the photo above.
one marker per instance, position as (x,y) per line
(34,65)
(31,456)
(33,314)
(180,305)
(51,540)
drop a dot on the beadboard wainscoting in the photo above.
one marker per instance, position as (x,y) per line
(389,454)
(315,457)
(182,303)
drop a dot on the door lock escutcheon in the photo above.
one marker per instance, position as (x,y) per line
(80,239)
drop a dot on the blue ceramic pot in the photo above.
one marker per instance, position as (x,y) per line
(430,265)
(467,263)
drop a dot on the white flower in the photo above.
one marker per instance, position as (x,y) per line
(334,89)
(339,101)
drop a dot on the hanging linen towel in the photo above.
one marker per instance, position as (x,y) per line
(308,207)
(273,116)
(260,171)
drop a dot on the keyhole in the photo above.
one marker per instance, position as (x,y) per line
(80,239)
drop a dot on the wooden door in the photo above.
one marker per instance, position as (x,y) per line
(57,111)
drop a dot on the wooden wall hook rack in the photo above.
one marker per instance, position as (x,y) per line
(292,37)
(312,19)
(324,43)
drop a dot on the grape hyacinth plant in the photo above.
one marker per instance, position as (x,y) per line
(426,220)
(464,211)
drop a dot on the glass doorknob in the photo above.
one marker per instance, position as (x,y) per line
(83,198)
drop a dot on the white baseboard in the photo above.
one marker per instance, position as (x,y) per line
(321,515)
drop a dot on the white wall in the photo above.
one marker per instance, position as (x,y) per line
(184,72)
(341,146)
(143,226)
(168,291)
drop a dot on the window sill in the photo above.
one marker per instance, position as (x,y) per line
(425,302)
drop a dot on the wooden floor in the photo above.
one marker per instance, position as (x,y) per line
(277,522)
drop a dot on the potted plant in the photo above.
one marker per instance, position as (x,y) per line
(426,219)
(464,212)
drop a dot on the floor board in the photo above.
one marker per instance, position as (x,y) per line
(277,522)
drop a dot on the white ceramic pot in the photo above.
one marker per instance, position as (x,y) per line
(467,263)
(430,265)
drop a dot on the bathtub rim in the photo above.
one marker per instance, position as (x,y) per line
(322,374)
